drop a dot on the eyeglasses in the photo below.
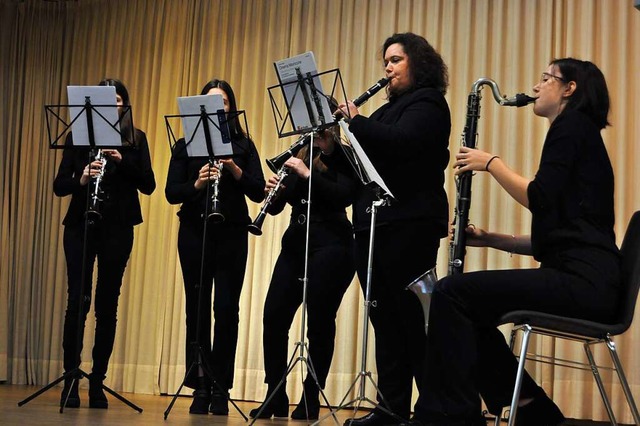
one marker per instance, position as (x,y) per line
(546,76)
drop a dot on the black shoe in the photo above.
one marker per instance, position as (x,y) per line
(97,398)
(201,401)
(278,406)
(372,419)
(308,408)
(73,401)
(219,403)
(542,411)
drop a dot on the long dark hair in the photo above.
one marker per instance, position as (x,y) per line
(425,64)
(591,95)
(234,122)
(126,122)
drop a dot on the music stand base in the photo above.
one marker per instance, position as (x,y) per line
(199,364)
(290,366)
(76,374)
(357,401)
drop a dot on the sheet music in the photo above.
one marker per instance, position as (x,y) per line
(105,135)
(295,98)
(370,171)
(194,129)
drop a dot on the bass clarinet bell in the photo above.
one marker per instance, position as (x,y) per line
(422,287)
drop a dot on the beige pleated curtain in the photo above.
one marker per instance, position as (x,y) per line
(163,49)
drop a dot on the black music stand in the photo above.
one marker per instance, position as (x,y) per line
(208,126)
(303,98)
(368,175)
(88,109)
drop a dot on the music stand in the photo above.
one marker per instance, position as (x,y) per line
(207,134)
(86,136)
(369,176)
(307,112)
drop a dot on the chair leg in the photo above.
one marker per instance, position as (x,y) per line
(603,392)
(526,330)
(623,380)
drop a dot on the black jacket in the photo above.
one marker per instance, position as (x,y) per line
(183,172)
(407,141)
(121,182)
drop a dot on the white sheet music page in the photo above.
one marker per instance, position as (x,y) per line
(301,111)
(105,135)
(194,129)
(369,169)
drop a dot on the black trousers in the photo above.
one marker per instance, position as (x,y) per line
(402,252)
(468,356)
(225,260)
(111,244)
(331,269)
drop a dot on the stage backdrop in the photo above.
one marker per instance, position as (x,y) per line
(163,49)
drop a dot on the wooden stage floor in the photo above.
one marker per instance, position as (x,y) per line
(44,410)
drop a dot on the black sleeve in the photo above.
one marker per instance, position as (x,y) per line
(179,187)
(137,169)
(67,179)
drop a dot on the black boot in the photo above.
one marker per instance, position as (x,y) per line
(97,398)
(72,390)
(201,398)
(219,402)
(278,406)
(309,406)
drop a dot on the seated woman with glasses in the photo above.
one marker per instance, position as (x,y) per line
(571,202)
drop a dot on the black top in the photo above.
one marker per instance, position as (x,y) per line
(332,190)
(407,141)
(121,182)
(571,197)
(183,172)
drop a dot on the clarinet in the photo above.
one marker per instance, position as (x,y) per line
(276,164)
(457,245)
(256,226)
(215,214)
(93,212)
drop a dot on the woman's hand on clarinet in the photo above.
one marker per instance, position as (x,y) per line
(90,170)
(207,172)
(233,168)
(298,167)
(468,159)
(476,237)
(347,110)
(113,154)
(271,183)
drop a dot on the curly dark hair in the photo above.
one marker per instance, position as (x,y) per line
(425,63)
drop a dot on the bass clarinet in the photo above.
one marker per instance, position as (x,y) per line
(457,246)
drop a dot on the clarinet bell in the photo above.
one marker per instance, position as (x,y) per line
(215,216)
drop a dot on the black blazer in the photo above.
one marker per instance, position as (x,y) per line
(407,141)
(183,172)
(121,182)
